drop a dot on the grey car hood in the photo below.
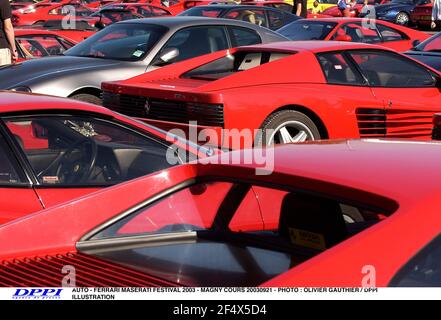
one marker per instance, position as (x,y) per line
(32,71)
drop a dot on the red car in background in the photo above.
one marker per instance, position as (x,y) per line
(172,6)
(421,16)
(78,31)
(143,9)
(354,30)
(332,90)
(20,5)
(53,150)
(355,10)
(40,43)
(41,12)
(221,225)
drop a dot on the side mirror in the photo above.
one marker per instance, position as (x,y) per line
(166,56)
(415,43)
(344,37)
(100,25)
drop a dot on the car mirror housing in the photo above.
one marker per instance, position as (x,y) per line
(99,25)
(415,43)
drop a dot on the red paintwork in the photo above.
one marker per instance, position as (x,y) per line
(36,198)
(99,3)
(73,35)
(271,88)
(41,13)
(175,6)
(342,169)
(402,45)
(133,7)
(31,32)
(355,10)
(335,11)
(29,140)
(421,16)
(317,15)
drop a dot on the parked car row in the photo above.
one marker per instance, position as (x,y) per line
(94,148)
(212,224)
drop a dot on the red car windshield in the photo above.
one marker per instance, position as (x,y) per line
(203,12)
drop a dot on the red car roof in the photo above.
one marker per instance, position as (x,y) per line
(315,46)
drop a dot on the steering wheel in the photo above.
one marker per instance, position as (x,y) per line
(71,169)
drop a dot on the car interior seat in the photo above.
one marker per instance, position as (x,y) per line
(312,222)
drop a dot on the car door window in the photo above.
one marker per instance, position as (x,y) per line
(423,270)
(196,41)
(275,19)
(338,70)
(357,33)
(42,45)
(243,37)
(389,34)
(8,165)
(386,69)
(85,150)
(213,234)
(254,16)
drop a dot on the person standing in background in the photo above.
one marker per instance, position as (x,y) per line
(8,51)
(436,14)
(300,8)
(315,8)
(343,7)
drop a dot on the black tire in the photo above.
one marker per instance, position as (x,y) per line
(87,98)
(405,16)
(277,119)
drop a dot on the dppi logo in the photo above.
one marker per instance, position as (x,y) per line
(37,294)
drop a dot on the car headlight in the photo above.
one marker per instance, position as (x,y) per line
(21,89)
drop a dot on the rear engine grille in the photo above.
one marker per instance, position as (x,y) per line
(126,104)
(165,110)
(407,124)
(46,271)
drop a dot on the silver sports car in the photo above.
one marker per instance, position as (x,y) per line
(126,49)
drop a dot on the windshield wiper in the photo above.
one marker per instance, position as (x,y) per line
(434,50)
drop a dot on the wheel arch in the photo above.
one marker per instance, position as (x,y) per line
(307,112)
(87,90)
